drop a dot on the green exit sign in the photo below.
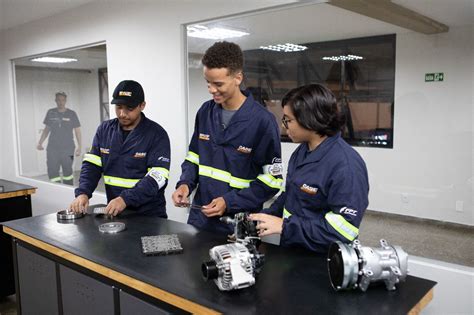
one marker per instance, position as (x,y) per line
(434,77)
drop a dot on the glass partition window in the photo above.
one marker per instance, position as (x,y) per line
(360,72)
(356,65)
(61,99)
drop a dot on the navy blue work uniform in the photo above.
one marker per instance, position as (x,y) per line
(135,168)
(241,163)
(60,149)
(325,196)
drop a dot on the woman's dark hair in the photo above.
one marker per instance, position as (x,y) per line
(224,55)
(315,108)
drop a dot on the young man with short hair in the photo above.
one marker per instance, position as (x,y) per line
(133,154)
(234,158)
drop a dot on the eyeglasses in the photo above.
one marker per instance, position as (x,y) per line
(285,121)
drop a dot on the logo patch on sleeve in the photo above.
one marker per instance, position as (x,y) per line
(203,136)
(309,190)
(104,151)
(164,159)
(345,210)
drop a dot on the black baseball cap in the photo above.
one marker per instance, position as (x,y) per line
(129,93)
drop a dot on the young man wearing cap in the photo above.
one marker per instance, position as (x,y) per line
(133,154)
(59,124)
(234,157)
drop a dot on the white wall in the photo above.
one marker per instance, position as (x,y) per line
(430,166)
(144,43)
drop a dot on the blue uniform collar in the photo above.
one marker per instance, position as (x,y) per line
(135,132)
(242,114)
(318,153)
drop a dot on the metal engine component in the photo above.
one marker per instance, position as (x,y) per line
(235,266)
(354,266)
(112,227)
(68,215)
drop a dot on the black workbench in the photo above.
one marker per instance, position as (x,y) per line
(292,281)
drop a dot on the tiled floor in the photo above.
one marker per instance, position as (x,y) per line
(423,238)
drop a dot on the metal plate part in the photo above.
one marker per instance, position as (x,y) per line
(161,245)
(98,210)
(68,215)
(112,227)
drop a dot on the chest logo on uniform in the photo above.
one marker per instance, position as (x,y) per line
(66,119)
(139,155)
(243,149)
(104,151)
(309,190)
(345,210)
(203,136)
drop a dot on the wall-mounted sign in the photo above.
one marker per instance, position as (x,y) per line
(434,77)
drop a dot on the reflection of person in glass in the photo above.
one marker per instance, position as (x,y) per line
(59,124)
(132,152)
(327,184)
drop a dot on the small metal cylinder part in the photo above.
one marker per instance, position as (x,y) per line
(112,227)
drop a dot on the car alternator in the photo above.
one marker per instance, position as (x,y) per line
(235,266)
(353,266)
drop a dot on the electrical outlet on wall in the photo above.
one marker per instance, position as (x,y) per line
(459,205)
(405,199)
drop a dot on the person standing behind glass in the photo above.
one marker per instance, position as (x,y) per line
(327,184)
(59,124)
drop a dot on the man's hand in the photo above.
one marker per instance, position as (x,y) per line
(78,151)
(215,208)
(267,224)
(80,204)
(39,147)
(115,206)
(180,195)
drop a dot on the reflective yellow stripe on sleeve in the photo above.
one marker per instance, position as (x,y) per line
(271,181)
(224,176)
(163,171)
(343,227)
(92,158)
(286,213)
(192,157)
(120,182)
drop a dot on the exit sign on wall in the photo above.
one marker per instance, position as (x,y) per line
(434,77)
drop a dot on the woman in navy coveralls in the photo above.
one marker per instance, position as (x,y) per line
(327,186)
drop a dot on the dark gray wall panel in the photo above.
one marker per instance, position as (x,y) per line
(130,305)
(82,294)
(37,278)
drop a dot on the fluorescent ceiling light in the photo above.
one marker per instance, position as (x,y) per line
(284,47)
(201,31)
(54,59)
(343,58)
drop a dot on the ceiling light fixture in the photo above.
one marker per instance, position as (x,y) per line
(201,31)
(343,58)
(288,47)
(54,59)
